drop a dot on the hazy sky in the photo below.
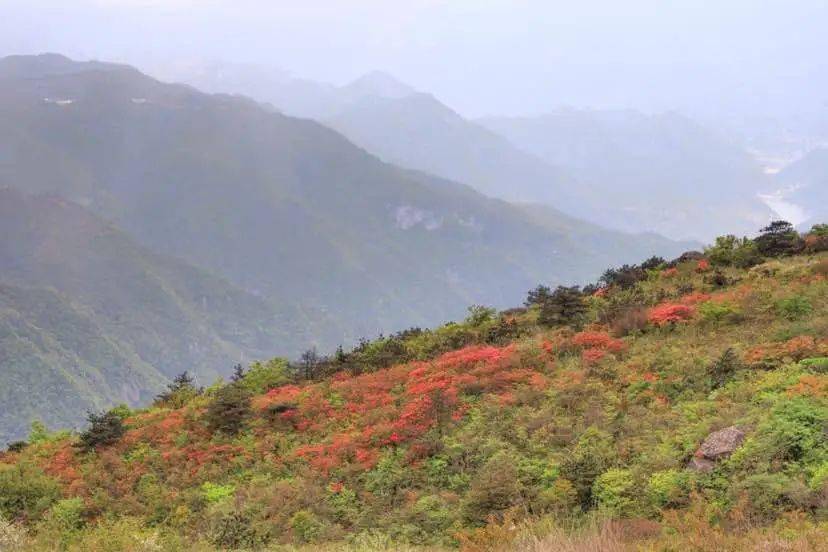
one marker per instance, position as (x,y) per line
(480,56)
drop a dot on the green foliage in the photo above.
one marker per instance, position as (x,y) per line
(722,370)
(732,251)
(779,238)
(614,492)
(794,307)
(442,447)
(668,489)
(104,429)
(66,516)
(591,456)
(264,376)
(233,531)
(718,313)
(565,306)
(793,433)
(306,526)
(26,492)
(495,488)
(38,432)
(479,315)
(228,410)
(179,392)
(216,493)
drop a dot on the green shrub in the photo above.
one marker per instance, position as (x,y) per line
(216,493)
(819,365)
(306,526)
(494,489)
(718,313)
(262,377)
(26,492)
(794,432)
(733,251)
(793,308)
(104,429)
(233,531)
(179,392)
(613,492)
(64,520)
(229,409)
(768,494)
(592,455)
(723,368)
(668,489)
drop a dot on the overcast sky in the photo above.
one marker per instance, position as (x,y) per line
(479,56)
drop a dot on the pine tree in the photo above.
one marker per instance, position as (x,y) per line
(565,306)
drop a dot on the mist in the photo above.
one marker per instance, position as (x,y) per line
(737,59)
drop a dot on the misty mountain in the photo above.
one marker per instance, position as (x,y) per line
(663,173)
(402,126)
(83,307)
(281,207)
(190,231)
(804,183)
(394,121)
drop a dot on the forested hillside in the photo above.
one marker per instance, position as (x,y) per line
(280,207)
(89,318)
(673,405)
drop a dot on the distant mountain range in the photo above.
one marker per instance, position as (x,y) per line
(180,230)
(661,173)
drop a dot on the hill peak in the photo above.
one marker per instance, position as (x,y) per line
(380,83)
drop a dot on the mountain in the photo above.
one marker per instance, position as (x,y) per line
(662,173)
(804,183)
(618,423)
(400,125)
(177,230)
(419,132)
(88,317)
(281,207)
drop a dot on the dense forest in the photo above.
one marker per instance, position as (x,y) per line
(673,405)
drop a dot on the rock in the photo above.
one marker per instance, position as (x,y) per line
(718,445)
(722,443)
(701,464)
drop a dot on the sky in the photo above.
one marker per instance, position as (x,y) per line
(483,57)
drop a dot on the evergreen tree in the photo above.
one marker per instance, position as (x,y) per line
(104,429)
(538,296)
(181,390)
(238,373)
(229,409)
(565,306)
(779,238)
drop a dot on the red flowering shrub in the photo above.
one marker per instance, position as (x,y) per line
(593,356)
(600,341)
(695,298)
(670,313)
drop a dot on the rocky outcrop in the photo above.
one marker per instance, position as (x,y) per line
(718,445)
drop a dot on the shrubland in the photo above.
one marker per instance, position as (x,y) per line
(581,421)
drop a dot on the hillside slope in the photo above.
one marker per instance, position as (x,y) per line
(419,132)
(90,318)
(683,403)
(281,207)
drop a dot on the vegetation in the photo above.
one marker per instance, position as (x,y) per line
(500,432)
